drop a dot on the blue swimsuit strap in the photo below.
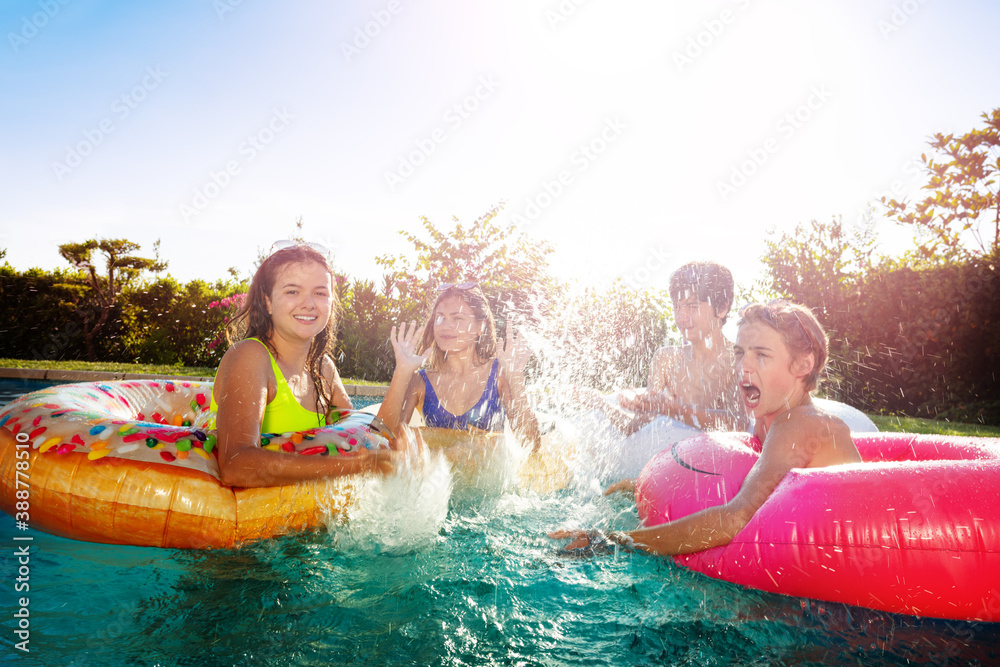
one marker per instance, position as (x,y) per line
(489,404)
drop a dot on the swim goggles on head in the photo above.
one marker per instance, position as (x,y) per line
(462,286)
(286,243)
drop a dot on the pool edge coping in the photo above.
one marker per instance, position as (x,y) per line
(107,376)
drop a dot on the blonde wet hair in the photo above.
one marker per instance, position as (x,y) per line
(799,328)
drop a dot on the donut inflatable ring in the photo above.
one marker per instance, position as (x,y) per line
(134,463)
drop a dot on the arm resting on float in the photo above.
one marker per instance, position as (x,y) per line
(667,368)
(713,527)
(791,442)
(241,392)
(252,466)
(626,421)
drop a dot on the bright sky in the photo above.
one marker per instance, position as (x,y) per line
(633,136)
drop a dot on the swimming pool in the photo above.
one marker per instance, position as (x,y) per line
(430,570)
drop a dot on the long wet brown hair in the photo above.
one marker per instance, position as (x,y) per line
(486,343)
(253,320)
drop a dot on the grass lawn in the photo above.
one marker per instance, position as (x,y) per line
(149,369)
(884,422)
(933,426)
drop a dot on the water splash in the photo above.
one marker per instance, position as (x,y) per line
(401,512)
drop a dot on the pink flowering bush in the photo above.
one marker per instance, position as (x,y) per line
(166,322)
(229,305)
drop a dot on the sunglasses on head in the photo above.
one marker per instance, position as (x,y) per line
(286,243)
(462,286)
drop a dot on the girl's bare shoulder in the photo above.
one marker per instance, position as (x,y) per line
(243,355)
(246,364)
(329,369)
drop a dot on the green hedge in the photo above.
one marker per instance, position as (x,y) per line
(595,338)
(910,336)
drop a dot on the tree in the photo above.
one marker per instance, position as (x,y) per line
(819,263)
(511,268)
(906,335)
(121,268)
(38,320)
(368,313)
(963,173)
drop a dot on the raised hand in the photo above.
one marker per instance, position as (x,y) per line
(645,401)
(514,354)
(404,346)
(633,400)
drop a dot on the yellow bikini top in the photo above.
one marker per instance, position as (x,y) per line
(284,413)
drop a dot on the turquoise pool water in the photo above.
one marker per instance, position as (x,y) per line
(431,570)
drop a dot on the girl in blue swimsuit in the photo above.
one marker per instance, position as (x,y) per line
(470,381)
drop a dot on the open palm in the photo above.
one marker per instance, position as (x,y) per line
(404,345)
(514,353)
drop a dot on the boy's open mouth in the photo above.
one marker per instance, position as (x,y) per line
(751,395)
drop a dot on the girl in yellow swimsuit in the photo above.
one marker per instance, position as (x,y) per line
(280,376)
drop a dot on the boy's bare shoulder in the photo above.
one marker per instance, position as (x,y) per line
(825,437)
(822,419)
(668,355)
(809,417)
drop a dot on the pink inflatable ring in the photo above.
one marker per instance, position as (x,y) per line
(915,529)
